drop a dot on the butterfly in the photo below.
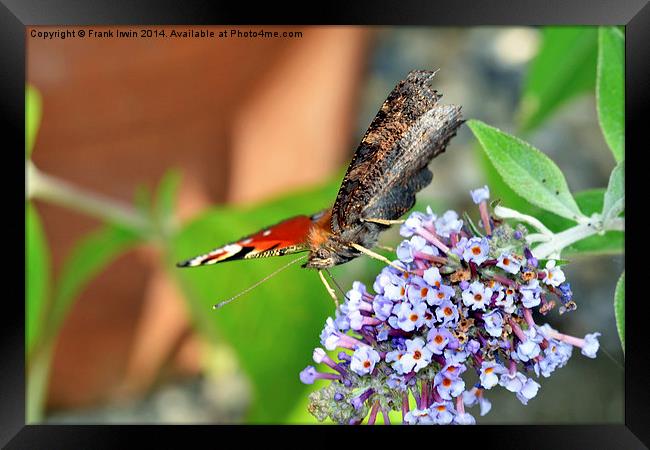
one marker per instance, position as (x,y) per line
(389,167)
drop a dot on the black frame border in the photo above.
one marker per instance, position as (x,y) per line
(16,15)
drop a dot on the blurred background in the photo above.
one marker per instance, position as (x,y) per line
(207,140)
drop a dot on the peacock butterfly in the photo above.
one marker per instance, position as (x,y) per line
(388,168)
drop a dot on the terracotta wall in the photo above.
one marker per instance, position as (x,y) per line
(243,119)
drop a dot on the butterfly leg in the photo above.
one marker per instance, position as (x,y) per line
(330,291)
(374,255)
(384,221)
(385,247)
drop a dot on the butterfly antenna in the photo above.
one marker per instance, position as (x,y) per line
(250,288)
(336,283)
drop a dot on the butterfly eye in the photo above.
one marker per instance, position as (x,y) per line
(323,253)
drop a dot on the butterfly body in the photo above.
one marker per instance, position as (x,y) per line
(389,167)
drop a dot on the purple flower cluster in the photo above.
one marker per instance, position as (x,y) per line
(455,321)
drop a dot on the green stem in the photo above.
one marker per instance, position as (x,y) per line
(54,190)
(38,375)
(51,189)
(574,234)
(506,213)
(616,224)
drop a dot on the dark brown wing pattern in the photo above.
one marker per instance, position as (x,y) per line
(390,165)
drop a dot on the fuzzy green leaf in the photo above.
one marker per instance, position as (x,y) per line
(526,170)
(499,190)
(614,200)
(610,88)
(589,201)
(619,308)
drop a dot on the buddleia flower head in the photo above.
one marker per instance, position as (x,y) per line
(463,308)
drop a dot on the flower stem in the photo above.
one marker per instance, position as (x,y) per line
(563,239)
(576,342)
(507,213)
(616,224)
(373,413)
(405,405)
(485,217)
(432,239)
(57,191)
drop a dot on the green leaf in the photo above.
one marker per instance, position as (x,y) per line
(166,196)
(272,329)
(165,200)
(610,243)
(614,200)
(142,200)
(526,170)
(610,88)
(37,270)
(32,117)
(619,308)
(589,201)
(499,190)
(564,67)
(89,257)
(472,226)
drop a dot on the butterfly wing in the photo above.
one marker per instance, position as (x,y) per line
(390,165)
(288,236)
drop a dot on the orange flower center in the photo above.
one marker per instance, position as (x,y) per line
(366,364)
(476,250)
(448,311)
(417,355)
(478,297)
(489,370)
(438,339)
(413,317)
(424,291)
(506,262)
